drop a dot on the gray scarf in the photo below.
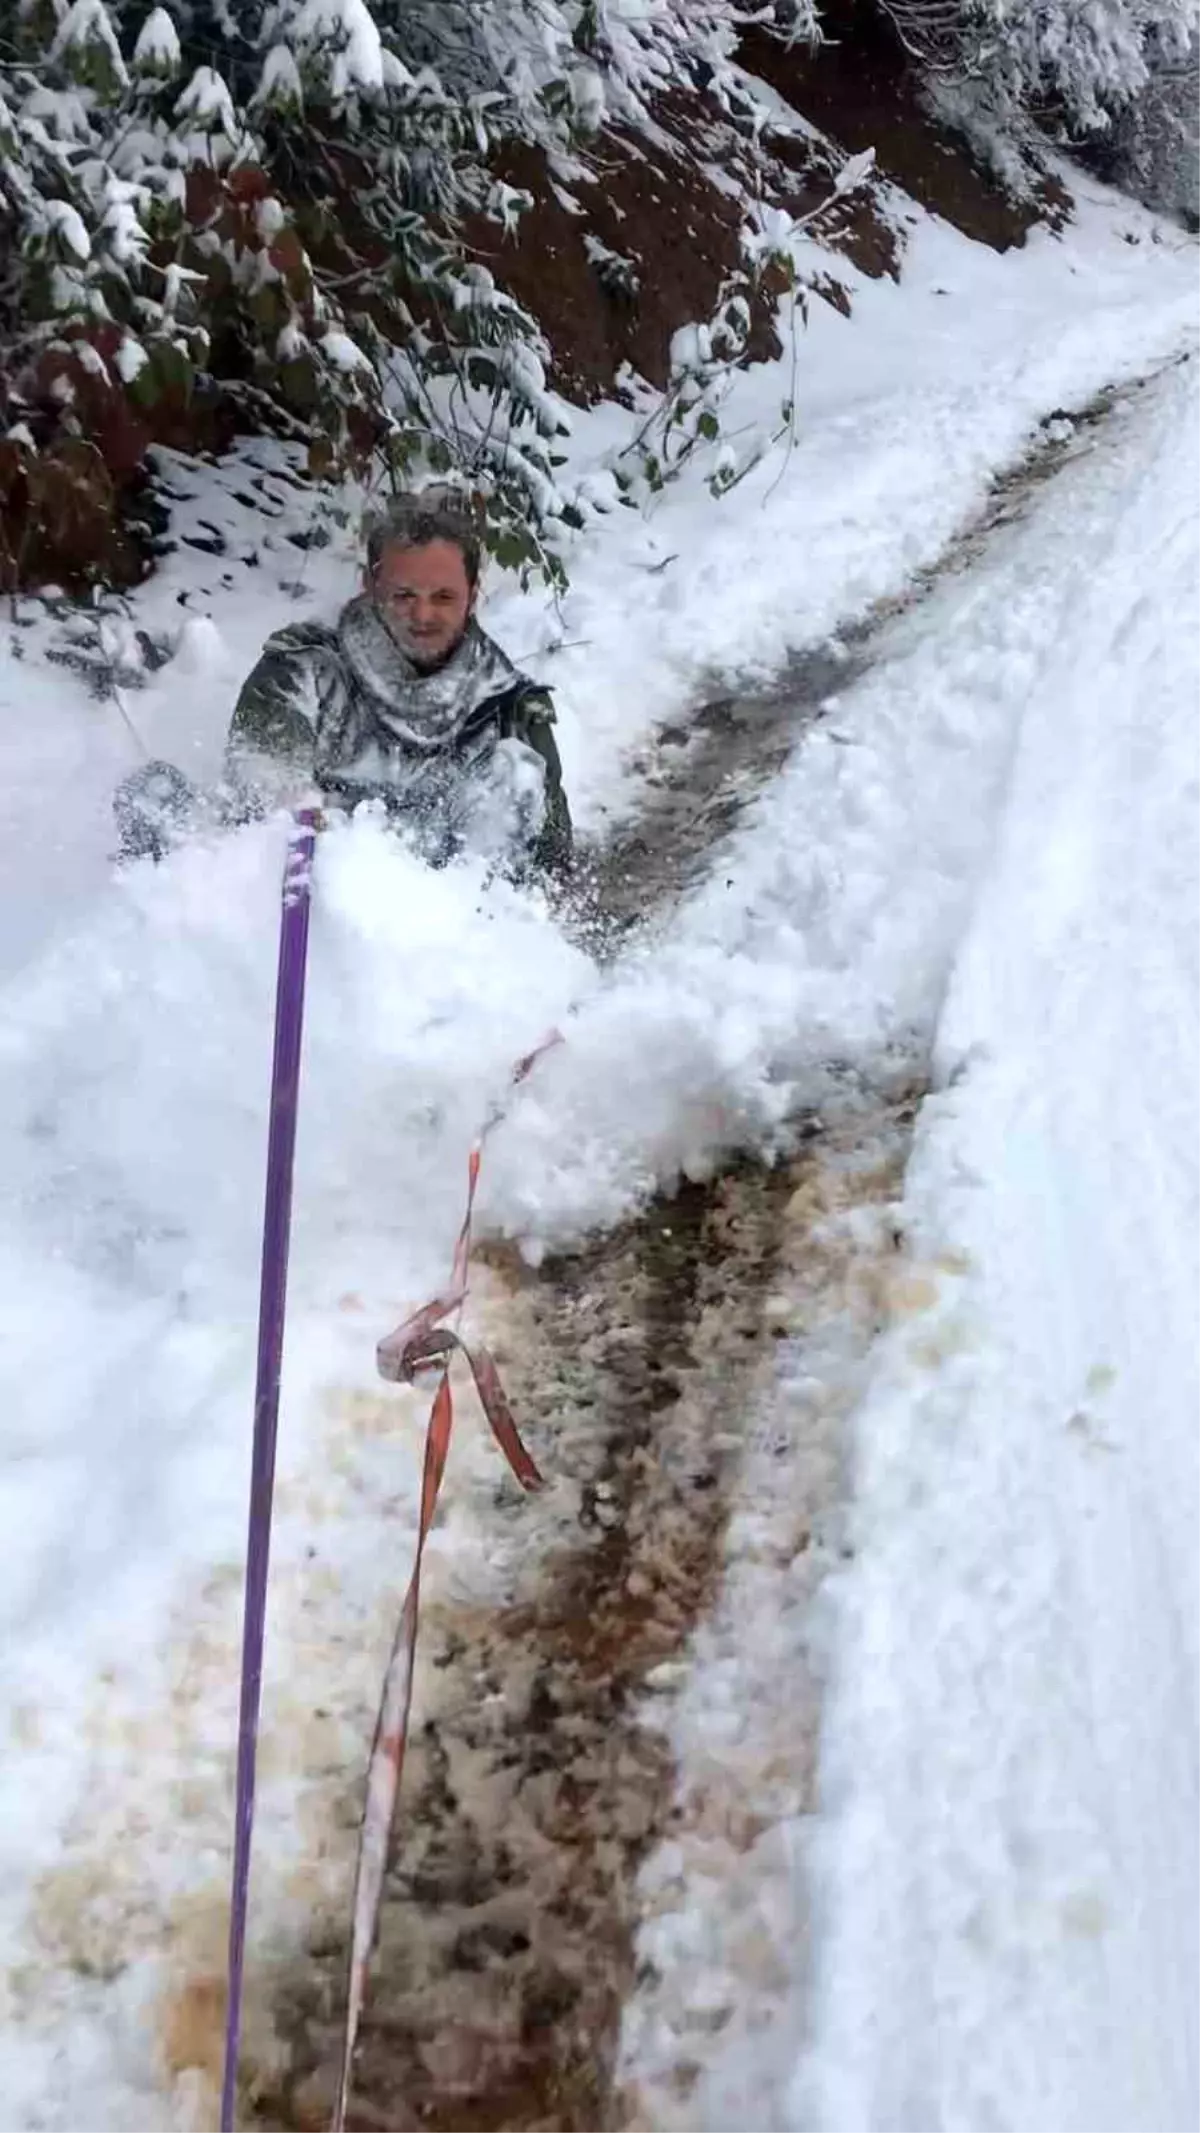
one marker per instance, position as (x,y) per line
(425,712)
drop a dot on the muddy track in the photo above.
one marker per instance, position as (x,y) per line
(532,1789)
(701,776)
(536,1784)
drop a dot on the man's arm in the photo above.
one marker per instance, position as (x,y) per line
(273,732)
(277,708)
(533,723)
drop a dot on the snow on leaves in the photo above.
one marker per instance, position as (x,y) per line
(266,198)
(1089,58)
(281,182)
(157,51)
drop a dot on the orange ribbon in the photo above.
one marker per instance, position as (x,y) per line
(422,1342)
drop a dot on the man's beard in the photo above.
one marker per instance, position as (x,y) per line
(424,659)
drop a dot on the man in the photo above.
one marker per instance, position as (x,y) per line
(404,699)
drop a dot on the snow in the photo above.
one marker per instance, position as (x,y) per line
(125,239)
(1009,1882)
(347,26)
(587,97)
(280,78)
(66,223)
(902,412)
(134,1057)
(86,24)
(200,649)
(1003,1637)
(130,358)
(207,101)
(157,48)
(852,172)
(338,349)
(57,114)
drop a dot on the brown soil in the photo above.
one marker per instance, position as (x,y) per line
(650,202)
(862,92)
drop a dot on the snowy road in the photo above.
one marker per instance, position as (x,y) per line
(990,1921)
(1027,1477)
(955,792)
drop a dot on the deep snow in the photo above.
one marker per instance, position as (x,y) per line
(134,1046)
(1009,1882)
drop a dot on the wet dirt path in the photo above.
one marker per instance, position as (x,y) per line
(536,1785)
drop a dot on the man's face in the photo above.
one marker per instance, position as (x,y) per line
(426,598)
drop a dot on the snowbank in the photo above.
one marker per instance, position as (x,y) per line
(1007,1865)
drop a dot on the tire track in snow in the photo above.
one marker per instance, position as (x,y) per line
(700,776)
(537,1782)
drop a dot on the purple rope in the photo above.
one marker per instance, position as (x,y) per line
(281,1144)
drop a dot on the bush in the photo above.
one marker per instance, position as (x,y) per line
(260,205)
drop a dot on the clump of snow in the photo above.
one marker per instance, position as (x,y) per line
(587,98)
(126,239)
(62,220)
(280,79)
(207,102)
(505,809)
(130,358)
(338,349)
(349,28)
(86,24)
(200,648)
(157,48)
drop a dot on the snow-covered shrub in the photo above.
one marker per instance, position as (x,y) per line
(265,199)
(1079,60)
(1153,149)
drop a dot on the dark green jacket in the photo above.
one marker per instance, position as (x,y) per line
(341,707)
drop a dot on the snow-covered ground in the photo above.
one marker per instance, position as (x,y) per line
(134,1048)
(1009,1883)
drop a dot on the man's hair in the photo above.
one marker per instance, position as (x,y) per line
(440,514)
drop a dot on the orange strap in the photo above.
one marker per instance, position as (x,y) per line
(420,1343)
